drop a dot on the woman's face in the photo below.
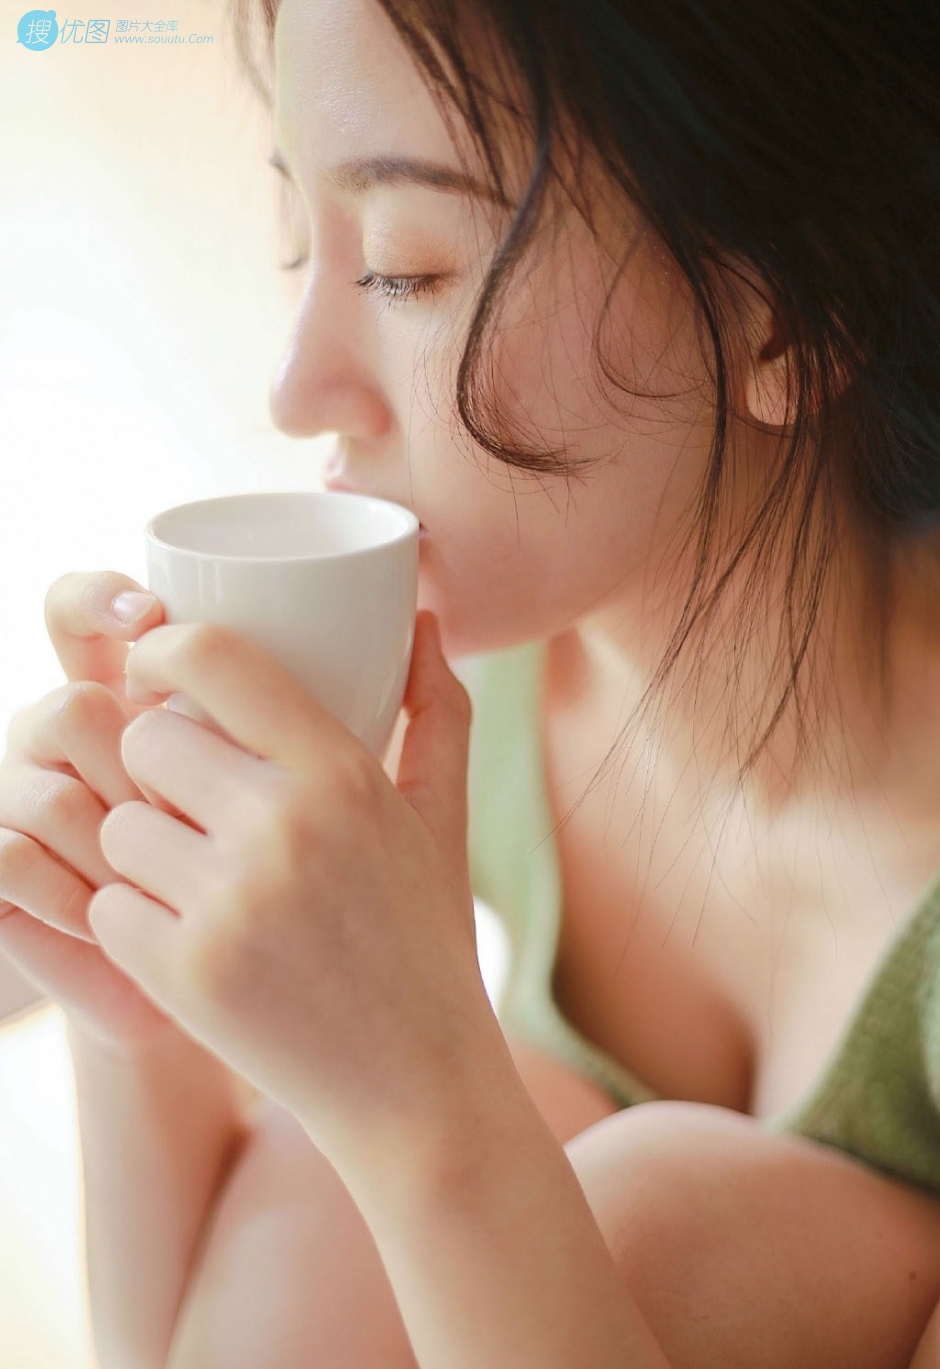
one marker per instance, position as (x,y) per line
(508,556)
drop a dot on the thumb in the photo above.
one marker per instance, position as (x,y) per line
(432,768)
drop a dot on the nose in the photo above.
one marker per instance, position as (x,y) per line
(324,382)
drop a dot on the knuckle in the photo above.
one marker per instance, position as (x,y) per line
(19,726)
(140,728)
(58,592)
(259,805)
(34,718)
(73,911)
(277,809)
(84,703)
(354,781)
(59,800)
(65,713)
(70,599)
(278,836)
(114,823)
(19,855)
(220,964)
(201,642)
(295,815)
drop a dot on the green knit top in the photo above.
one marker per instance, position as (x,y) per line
(876,1096)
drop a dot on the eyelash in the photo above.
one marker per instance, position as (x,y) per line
(396,289)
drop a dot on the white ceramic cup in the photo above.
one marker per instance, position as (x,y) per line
(325,582)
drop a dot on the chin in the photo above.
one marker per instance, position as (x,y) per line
(472,625)
(469,636)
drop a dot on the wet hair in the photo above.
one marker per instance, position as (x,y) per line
(798,140)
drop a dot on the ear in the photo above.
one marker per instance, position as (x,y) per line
(767,368)
(768,374)
(762,365)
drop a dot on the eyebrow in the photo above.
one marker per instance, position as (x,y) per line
(363,174)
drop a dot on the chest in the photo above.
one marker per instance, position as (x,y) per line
(716,957)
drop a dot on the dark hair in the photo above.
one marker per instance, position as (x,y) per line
(800,139)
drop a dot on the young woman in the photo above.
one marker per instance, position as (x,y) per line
(638,308)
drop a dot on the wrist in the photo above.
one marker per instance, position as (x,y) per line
(494,1253)
(468,1116)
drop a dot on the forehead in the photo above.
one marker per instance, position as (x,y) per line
(345,79)
(348,88)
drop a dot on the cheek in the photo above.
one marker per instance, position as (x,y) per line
(592,373)
(513,556)
(495,580)
(644,448)
(660,389)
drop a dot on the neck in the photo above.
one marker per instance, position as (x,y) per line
(860,743)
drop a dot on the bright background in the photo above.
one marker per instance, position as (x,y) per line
(141,318)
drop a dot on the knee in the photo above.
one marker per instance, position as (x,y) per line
(740,1246)
(656,1177)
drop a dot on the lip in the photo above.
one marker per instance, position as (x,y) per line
(342,487)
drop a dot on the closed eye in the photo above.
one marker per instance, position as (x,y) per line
(397,288)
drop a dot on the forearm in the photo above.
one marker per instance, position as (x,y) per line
(493,1252)
(159,1131)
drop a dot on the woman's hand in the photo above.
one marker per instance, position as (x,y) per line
(60,774)
(305,918)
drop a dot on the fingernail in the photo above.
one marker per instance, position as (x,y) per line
(131,606)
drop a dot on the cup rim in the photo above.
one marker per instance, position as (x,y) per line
(409,530)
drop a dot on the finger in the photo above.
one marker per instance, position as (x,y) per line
(192,770)
(432,768)
(141,937)
(33,881)
(255,699)
(79,728)
(90,642)
(59,812)
(76,974)
(166,859)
